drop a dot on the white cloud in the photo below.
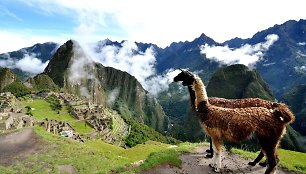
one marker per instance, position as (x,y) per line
(29,64)
(302,43)
(112,96)
(127,58)
(13,40)
(159,83)
(246,54)
(81,65)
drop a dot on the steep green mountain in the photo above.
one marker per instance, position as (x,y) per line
(238,81)
(42,82)
(10,82)
(296,99)
(73,71)
(7,77)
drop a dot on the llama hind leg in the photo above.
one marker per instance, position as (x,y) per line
(259,157)
(272,158)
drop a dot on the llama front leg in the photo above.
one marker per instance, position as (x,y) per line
(216,165)
(210,151)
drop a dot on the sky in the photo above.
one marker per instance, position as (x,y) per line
(26,22)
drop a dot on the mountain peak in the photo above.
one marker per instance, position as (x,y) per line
(60,62)
(203,39)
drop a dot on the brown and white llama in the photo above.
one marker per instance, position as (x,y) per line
(241,123)
(187,79)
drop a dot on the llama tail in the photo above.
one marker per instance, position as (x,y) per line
(284,114)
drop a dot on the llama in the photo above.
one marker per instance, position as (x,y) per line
(241,123)
(187,78)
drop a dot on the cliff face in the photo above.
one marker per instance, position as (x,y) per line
(6,77)
(75,72)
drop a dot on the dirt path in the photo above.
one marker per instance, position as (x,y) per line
(18,145)
(196,163)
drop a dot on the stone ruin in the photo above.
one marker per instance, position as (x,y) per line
(12,115)
(61,128)
(93,114)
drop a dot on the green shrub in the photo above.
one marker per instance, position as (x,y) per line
(17,88)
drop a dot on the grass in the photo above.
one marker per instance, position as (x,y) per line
(81,127)
(292,160)
(167,155)
(90,157)
(42,110)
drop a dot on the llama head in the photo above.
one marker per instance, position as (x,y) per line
(185,76)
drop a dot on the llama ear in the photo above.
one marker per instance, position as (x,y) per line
(188,72)
(181,69)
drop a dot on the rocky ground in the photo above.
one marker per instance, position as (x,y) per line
(196,163)
(18,145)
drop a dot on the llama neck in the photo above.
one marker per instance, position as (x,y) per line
(200,91)
(192,96)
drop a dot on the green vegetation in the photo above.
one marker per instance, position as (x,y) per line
(296,98)
(141,133)
(42,83)
(41,109)
(291,160)
(81,127)
(55,103)
(88,157)
(238,81)
(7,77)
(169,155)
(17,88)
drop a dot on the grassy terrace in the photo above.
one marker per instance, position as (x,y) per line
(41,109)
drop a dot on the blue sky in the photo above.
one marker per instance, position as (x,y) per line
(26,22)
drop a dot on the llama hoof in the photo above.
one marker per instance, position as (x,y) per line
(263,164)
(212,165)
(217,170)
(209,155)
(252,163)
(209,151)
